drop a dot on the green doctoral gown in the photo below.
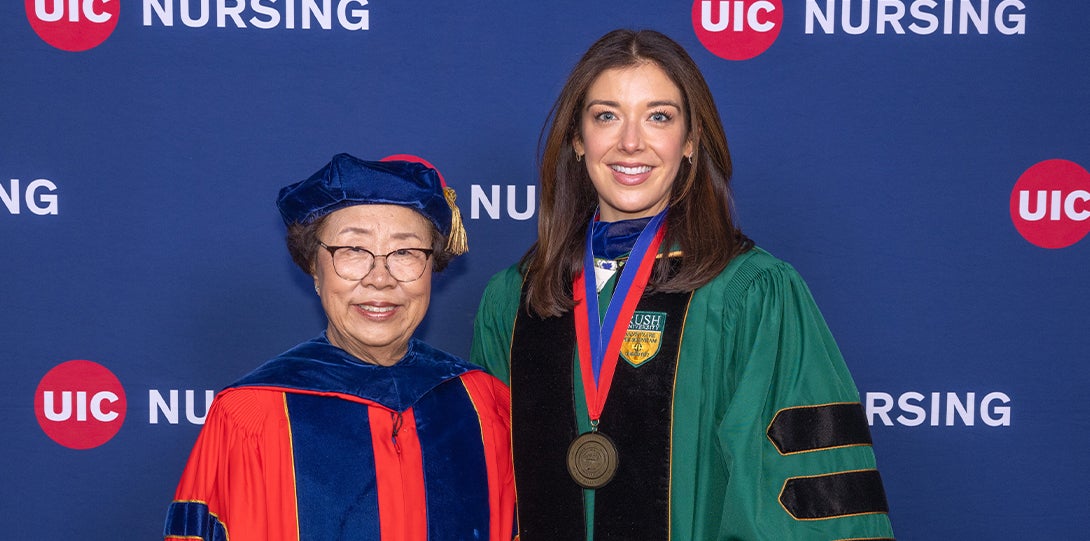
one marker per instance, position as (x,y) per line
(766,437)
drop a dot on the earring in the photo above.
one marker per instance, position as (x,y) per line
(578,157)
(316,290)
(690,156)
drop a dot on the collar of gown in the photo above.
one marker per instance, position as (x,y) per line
(318,366)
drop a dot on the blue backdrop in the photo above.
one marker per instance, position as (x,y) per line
(139,231)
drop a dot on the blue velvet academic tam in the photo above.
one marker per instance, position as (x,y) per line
(347,181)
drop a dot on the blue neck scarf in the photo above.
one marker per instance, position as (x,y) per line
(615,239)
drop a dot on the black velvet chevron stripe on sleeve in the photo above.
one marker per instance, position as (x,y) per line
(834,495)
(813,428)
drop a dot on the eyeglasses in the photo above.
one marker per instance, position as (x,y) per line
(355,262)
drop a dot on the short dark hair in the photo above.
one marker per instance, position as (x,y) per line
(701,217)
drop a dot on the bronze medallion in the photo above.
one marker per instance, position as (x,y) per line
(592,460)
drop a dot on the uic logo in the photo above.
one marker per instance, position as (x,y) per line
(73,25)
(737,29)
(80,404)
(1050,204)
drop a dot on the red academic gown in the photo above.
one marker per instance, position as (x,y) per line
(315,444)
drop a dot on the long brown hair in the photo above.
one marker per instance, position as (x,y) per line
(700,220)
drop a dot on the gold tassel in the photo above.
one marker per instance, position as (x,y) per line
(456,242)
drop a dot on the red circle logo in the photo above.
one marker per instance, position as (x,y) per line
(80,404)
(1050,204)
(73,25)
(737,29)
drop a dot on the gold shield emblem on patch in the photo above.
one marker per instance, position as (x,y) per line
(643,338)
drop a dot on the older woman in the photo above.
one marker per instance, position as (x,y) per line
(363,432)
(707,399)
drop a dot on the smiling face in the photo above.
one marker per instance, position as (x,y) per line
(373,318)
(633,136)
